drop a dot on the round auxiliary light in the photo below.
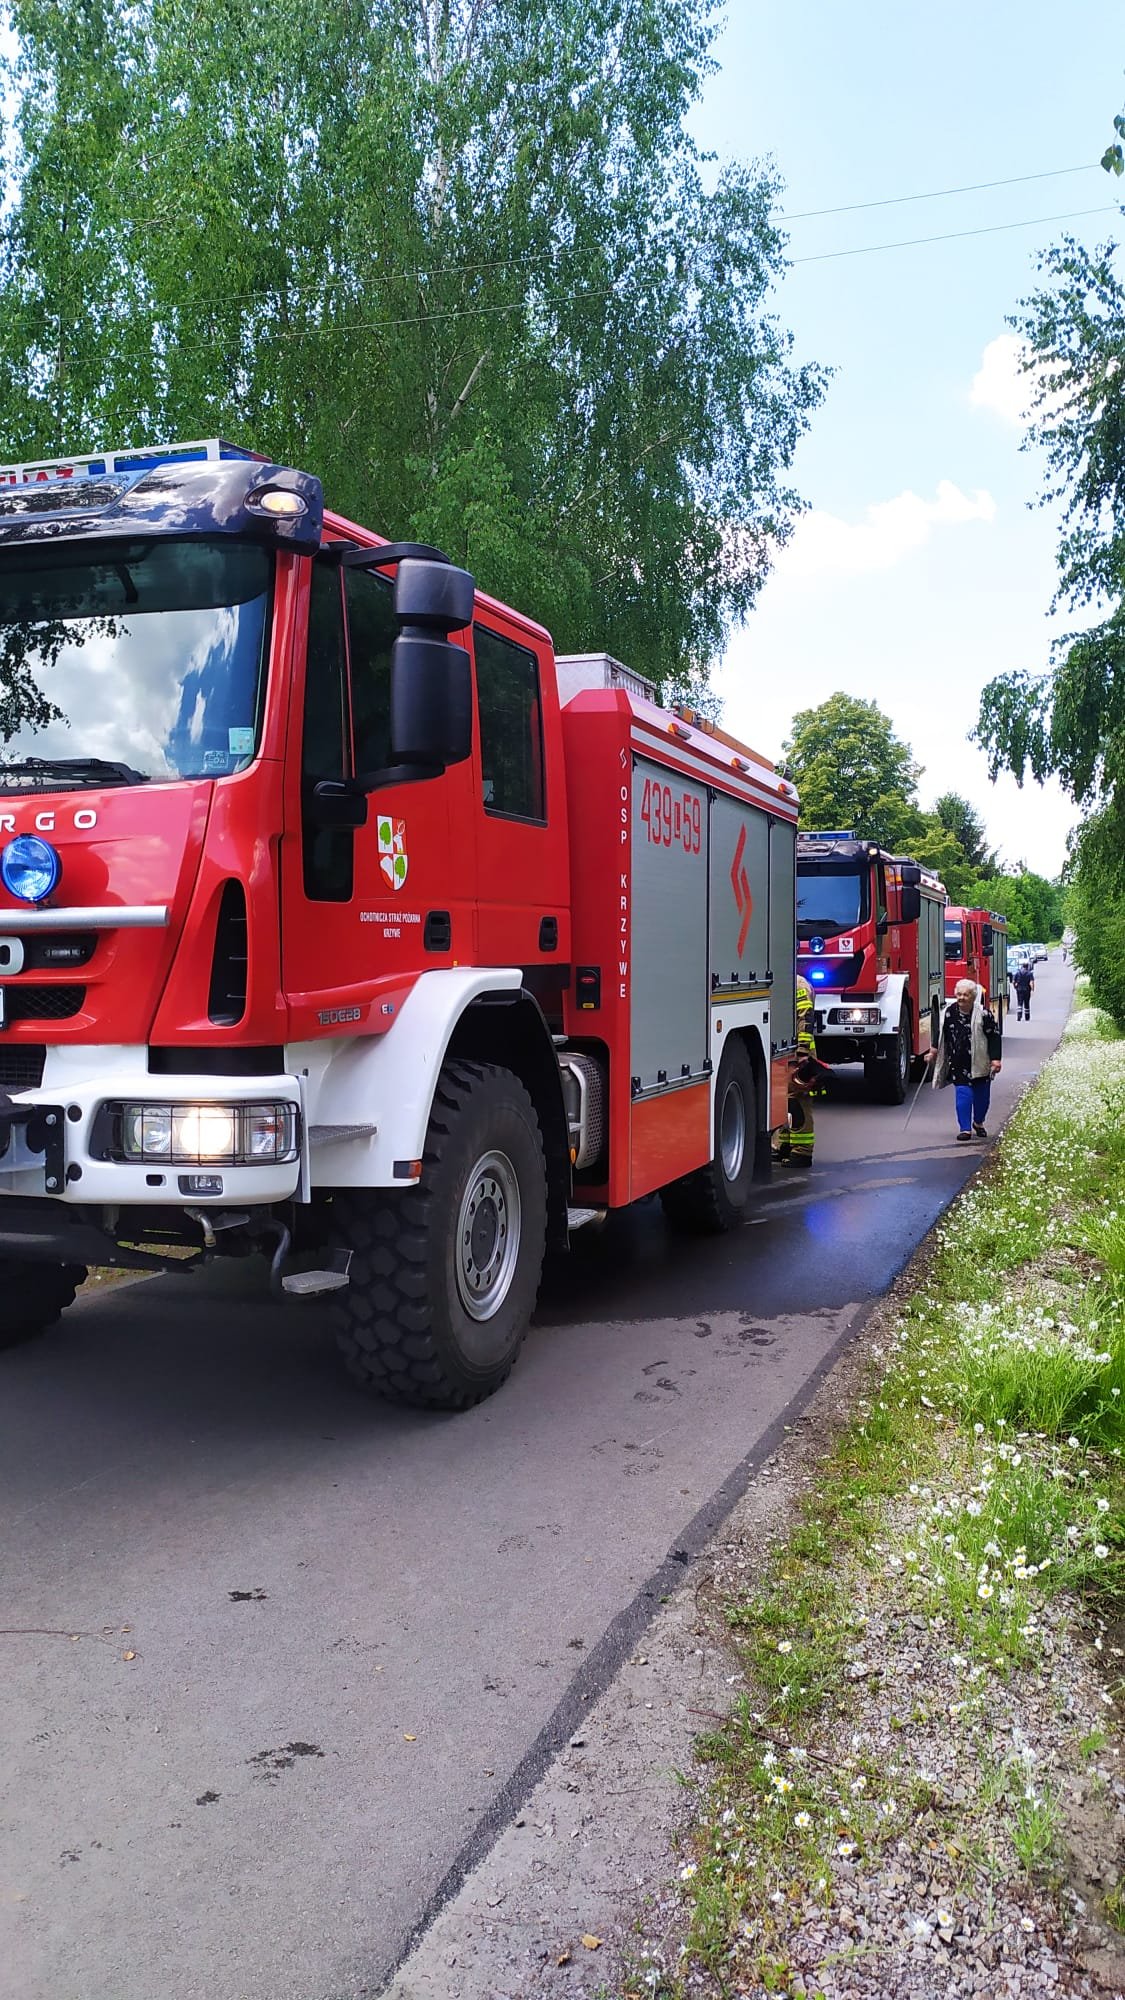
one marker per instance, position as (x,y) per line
(29,868)
(816,944)
(276,500)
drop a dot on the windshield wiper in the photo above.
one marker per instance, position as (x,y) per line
(40,771)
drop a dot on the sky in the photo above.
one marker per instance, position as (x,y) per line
(920,570)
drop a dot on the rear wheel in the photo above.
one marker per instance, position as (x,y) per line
(32,1296)
(714,1199)
(444,1276)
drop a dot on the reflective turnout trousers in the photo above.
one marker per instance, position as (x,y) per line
(796,1144)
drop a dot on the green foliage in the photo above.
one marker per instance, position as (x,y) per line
(461,259)
(1032,905)
(962,820)
(1096,909)
(1071,720)
(851,770)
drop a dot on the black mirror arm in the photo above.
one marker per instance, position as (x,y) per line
(394,774)
(353,555)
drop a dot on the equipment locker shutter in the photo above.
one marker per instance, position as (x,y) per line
(669,1006)
(783,906)
(739,896)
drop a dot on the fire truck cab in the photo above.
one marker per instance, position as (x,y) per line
(871,945)
(339,920)
(976,947)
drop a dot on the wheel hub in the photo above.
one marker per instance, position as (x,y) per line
(732,1132)
(488,1236)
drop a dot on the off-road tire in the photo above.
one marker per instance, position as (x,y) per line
(888,1076)
(32,1296)
(710,1202)
(400,1323)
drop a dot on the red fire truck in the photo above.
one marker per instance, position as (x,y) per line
(976,947)
(338,919)
(871,945)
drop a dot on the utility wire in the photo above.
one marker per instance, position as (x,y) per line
(934,194)
(953,235)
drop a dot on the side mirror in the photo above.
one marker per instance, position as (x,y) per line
(911,905)
(337,803)
(431,678)
(910,875)
(986,940)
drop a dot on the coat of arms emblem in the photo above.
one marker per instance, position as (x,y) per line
(393,858)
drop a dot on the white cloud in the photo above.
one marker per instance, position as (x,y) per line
(824,545)
(1000,384)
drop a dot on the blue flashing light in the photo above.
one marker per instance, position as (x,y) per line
(818,974)
(30,868)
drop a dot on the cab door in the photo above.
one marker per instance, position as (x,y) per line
(519,811)
(363,911)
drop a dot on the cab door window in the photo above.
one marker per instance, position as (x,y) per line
(327,852)
(347,718)
(509,710)
(371,635)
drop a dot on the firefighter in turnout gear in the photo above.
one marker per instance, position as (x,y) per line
(795,1146)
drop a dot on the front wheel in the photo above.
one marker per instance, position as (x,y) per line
(32,1296)
(444,1276)
(714,1198)
(887,1076)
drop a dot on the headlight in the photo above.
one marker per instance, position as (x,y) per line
(204,1134)
(855,1017)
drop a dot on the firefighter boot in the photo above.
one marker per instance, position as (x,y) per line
(802,1134)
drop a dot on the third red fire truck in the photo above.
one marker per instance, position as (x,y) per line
(871,945)
(976,947)
(339,920)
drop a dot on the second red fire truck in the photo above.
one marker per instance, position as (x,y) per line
(339,920)
(871,944)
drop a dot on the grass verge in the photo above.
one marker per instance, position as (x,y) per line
(918,1788)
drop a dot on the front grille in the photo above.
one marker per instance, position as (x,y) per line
(44,1003)
(21,1065)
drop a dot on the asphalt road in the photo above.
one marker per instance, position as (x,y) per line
(324,1648)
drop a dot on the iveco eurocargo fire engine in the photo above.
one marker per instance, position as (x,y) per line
(339,920)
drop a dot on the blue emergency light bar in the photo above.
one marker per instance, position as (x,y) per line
(100,464)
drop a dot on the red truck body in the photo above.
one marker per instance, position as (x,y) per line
(361,931)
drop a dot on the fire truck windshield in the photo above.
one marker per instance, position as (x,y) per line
(830,900)
(954,938)
(130,661)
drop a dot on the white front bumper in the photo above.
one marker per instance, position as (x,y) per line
(77,1082)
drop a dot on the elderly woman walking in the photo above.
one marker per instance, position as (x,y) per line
(968,1056)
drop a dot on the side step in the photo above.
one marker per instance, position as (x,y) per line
(313,1284)
(577,1218)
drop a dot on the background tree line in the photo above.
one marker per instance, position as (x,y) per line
(460,257)
(852,771)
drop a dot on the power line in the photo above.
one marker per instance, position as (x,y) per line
(935,194)
(952,236)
